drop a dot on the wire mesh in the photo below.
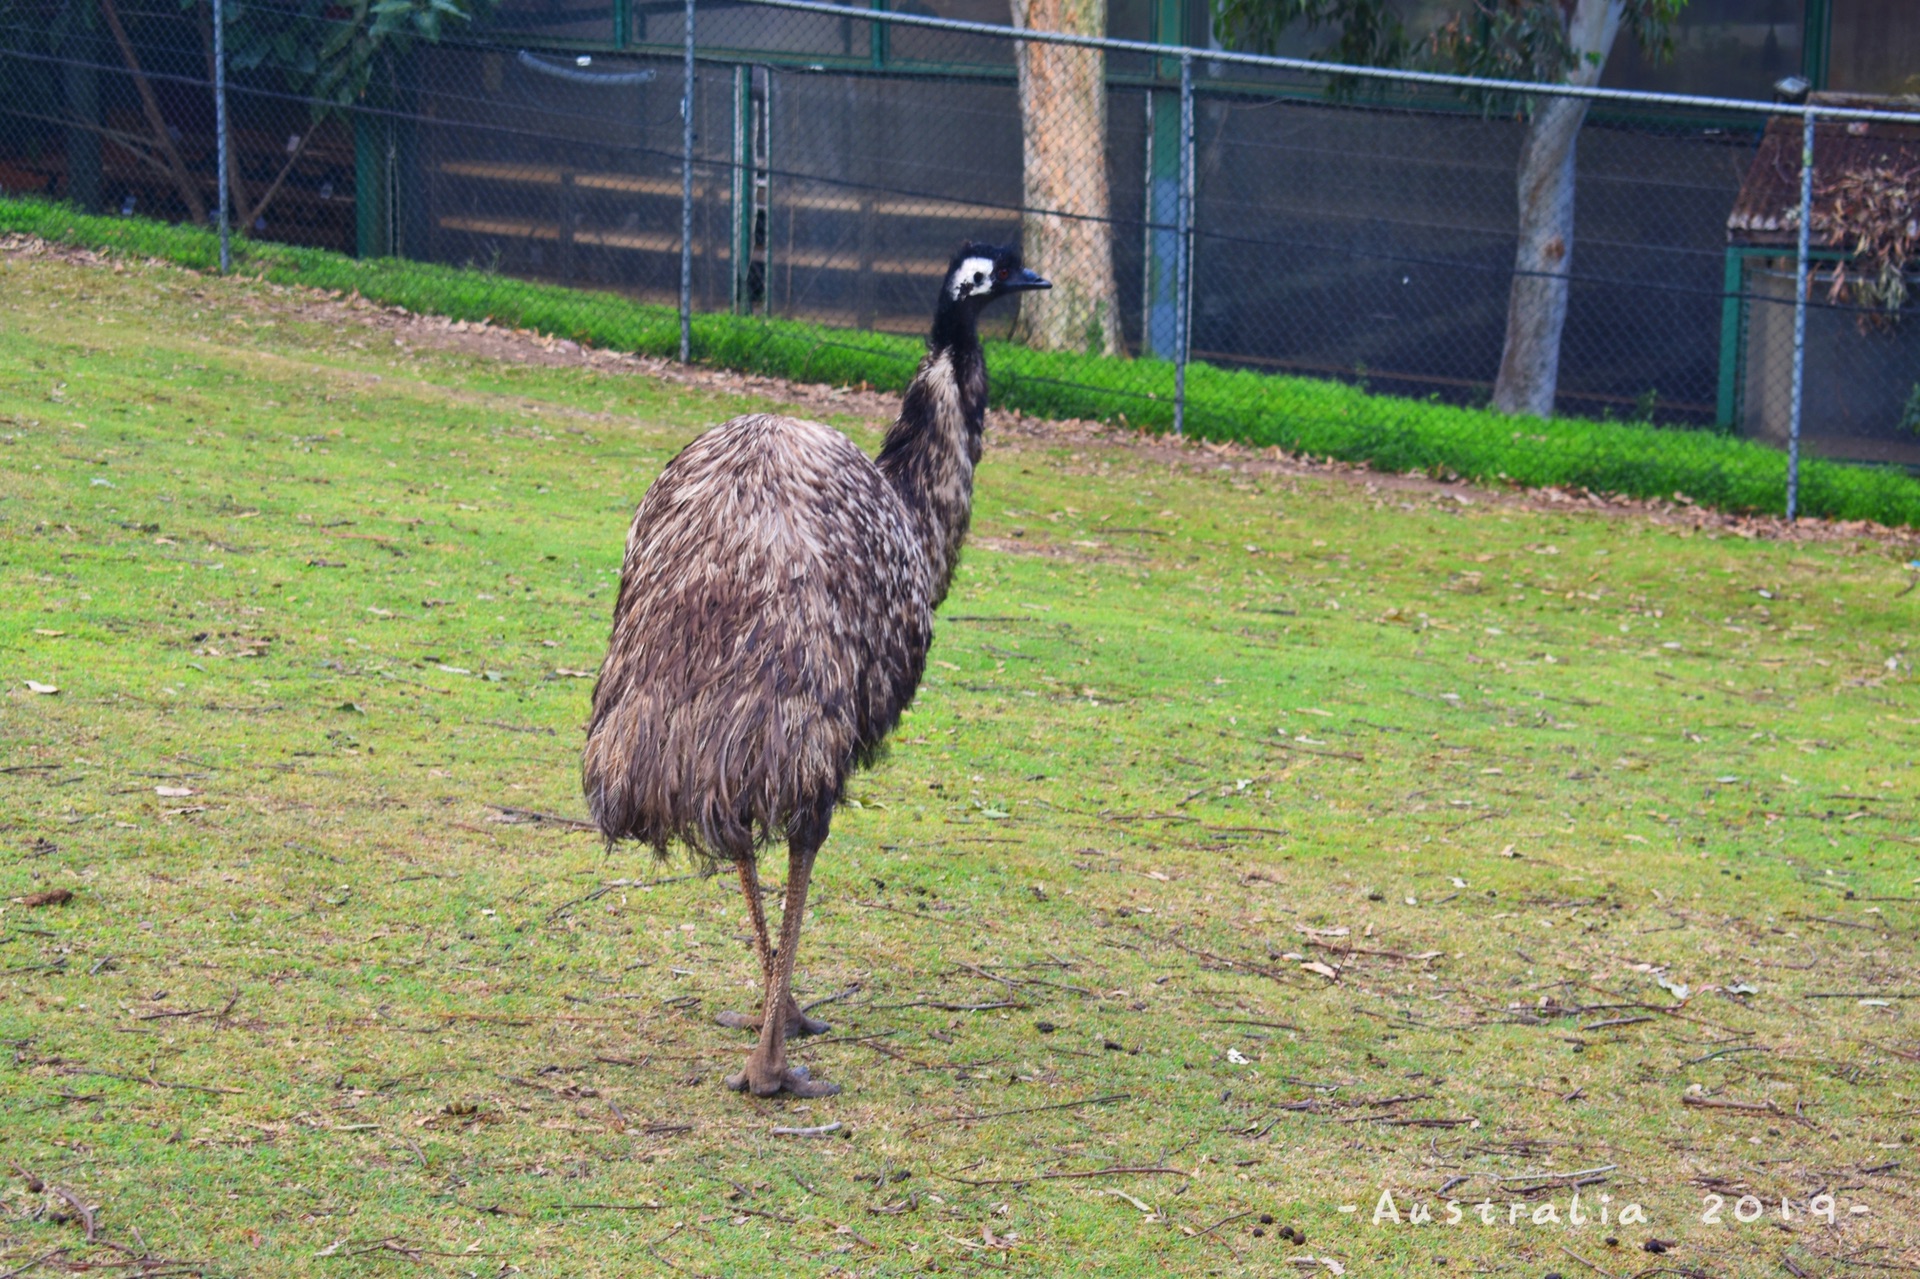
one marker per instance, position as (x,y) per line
(1338,231)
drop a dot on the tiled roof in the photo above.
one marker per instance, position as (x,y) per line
(1762,212)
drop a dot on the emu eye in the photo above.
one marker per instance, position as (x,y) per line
(1002,273)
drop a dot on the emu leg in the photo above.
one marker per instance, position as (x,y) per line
(767,1071)
(798,1023)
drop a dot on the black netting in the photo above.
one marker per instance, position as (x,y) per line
(1352,232)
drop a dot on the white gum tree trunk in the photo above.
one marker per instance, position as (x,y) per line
(1537,306)
(1063,106)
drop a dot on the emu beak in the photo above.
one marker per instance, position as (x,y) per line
(1026,280)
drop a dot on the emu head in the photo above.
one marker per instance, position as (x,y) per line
(980,273)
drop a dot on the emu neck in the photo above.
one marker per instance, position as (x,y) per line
(931,449)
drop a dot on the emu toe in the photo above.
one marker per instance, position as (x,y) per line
(798,1023)
(792,1080)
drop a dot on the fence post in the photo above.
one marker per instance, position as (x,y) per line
(220,129)
(741,217)
(686,201)
(1800,314)
(1183,251)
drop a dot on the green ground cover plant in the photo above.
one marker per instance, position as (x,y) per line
(1261,844)
(1325,419)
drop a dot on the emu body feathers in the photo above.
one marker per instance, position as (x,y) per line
(775,610)
(773,620)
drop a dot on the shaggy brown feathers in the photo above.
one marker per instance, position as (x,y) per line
(775,609)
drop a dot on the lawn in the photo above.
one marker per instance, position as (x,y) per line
(1312,416)
(1261,844)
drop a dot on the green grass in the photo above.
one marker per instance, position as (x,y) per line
(1326,419)
(316,605)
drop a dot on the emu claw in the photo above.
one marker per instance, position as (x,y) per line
(798,1023)
(794,1081)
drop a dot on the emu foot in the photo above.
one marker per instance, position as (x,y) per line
(798,1023)
(792,1080)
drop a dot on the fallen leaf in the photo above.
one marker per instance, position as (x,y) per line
(1235,1056)
(1315,966)
(49,634)
(34,686)
(1679,989)
(570,673)
(173,792)
(50,897)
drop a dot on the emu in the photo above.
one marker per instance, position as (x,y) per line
(775,608)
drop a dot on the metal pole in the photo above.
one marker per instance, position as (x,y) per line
(686,202)
(1800,315)
(220,127)
(743,171)
(1183,251)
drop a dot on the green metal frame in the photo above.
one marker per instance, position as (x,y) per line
(371,238)
(1816,42)
(1732,284)
(1169,27)
(1733,319)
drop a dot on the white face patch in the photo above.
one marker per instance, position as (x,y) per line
(975,275)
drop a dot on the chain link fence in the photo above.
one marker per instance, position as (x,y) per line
(1240,245)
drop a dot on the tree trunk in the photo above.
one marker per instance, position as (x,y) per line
(1065,233)
(1537,304)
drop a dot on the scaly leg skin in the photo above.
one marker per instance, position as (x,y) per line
(767,1071)
(798,1023)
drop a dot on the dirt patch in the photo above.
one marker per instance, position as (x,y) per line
(1082,552)
(1015,431)
(1009,430)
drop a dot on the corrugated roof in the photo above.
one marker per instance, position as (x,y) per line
(1771,192)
